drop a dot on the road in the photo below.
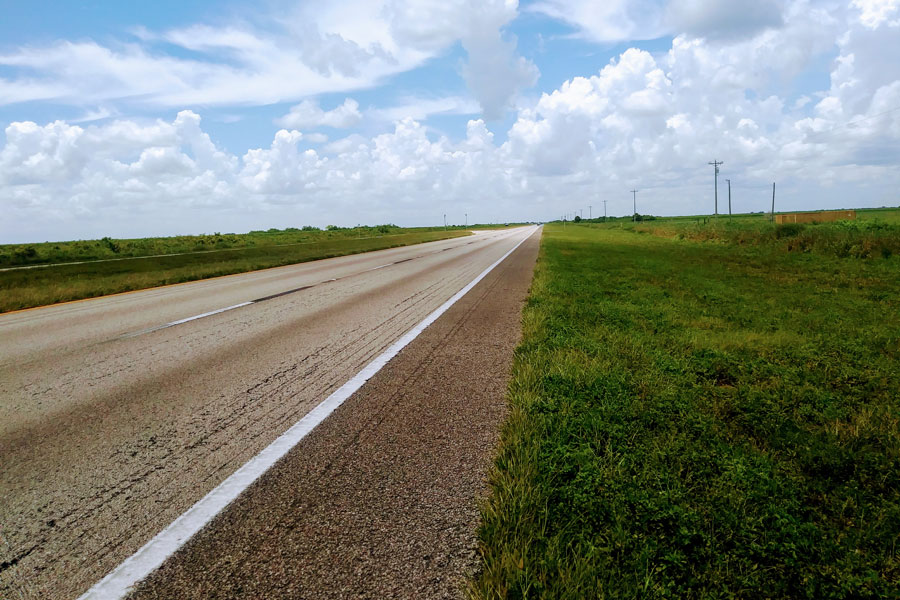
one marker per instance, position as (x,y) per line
(117,414)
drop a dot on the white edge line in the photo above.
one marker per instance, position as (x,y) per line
(139,565)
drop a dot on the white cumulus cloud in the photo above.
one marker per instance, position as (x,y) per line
(647,121)
(495,73)
(875,12)
(308,115)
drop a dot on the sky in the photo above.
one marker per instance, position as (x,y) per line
(130,119)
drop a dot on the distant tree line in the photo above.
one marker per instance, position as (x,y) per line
(635,217)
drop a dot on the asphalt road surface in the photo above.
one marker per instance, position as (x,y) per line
(117,414)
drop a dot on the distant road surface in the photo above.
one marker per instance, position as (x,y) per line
(118,413)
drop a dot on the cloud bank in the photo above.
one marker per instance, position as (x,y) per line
(644,120)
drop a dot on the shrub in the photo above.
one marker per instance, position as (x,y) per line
(788,230)
(26,253)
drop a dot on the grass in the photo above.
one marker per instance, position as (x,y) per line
(864,238)
(699,419)
(25,288)
(884,214)
(876,232)
(12,255)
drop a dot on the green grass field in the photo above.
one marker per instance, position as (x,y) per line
(701,417)
(887,215)
(111,249)
(875,232)
(105,274)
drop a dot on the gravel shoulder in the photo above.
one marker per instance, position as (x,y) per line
(381,499)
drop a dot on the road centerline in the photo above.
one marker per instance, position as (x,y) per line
(185,320)
(265,298)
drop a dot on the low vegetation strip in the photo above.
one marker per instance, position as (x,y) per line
(25,288)
(48,253)
(696,420)
(843,239)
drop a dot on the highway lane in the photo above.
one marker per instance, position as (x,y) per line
(111,427)
(381,499)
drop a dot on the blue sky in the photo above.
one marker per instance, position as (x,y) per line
(161,118)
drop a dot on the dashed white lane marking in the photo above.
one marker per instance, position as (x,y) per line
(123,578)
(258,300)
(185,320)
(378,267)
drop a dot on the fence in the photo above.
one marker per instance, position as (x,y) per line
(821,216)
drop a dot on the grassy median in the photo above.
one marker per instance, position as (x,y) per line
(128,268)
(700,419)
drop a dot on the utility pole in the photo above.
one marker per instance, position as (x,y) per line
(729,198)
(773,200)
(590,212)
(716,164)
(634,201)
(467,219)
(445,221)
(604,211)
